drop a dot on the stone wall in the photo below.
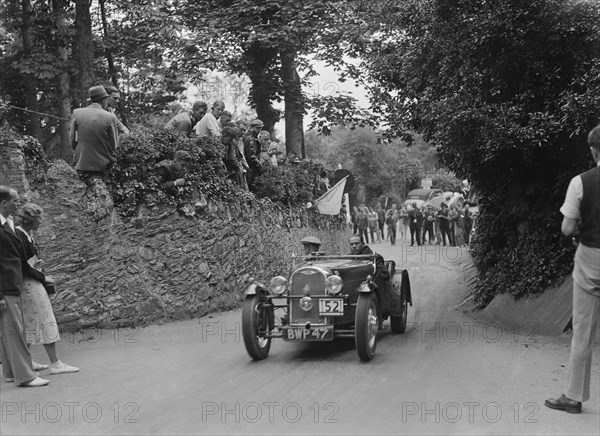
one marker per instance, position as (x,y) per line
(159,267)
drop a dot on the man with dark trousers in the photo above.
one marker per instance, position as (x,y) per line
(252,149)
(416,222)
(16,359)
(581,219)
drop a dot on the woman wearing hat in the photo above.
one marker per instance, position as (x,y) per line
(39,321)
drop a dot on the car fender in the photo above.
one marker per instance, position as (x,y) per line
(255,288)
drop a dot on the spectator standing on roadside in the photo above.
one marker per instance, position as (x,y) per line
(17,365)
(404,222)
(452,218)
(363,223)
(114,102)
(209,125)
(468,223)
(94,136)
(380,220)
(38,316)
(581,219)
(373,220)
(391,219)
(354,217)
(444,223)
(252,150)
(428,219)
(415,217)
(185,121)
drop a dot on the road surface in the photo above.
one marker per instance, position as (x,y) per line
(448,374)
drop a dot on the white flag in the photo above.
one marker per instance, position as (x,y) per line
(330,203)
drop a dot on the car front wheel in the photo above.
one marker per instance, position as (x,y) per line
(366,326)
(257,323)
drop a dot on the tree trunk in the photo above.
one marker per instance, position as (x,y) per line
(112,71)
(258,60)
(294,105)
(63,150)
(30,82)
(85,48)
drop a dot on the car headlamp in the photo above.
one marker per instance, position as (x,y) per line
(334,284)
(278,285)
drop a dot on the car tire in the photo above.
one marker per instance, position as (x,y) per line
(257,321)
(366,326)
(399,314)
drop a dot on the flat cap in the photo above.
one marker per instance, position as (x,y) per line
(256,123)
(182,155)
(97,93)
(311,240)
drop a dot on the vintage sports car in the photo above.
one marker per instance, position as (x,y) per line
(326,297)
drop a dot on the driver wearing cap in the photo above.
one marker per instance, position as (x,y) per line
(311,244)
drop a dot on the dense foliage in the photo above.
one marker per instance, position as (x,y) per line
(290,185)
(507,90)
(135,179)
(384,169)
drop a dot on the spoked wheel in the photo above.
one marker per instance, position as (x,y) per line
(366,326)
(257,323)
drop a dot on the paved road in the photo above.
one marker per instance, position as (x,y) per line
(447,375)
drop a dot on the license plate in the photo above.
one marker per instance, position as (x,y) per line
(331,306)
(312,334)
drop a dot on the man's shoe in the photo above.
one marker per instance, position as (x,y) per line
(564,403)
(62,368)
(36,382)
(39,366)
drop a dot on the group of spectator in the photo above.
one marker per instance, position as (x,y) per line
(26,315)
(247,147)
(430,225)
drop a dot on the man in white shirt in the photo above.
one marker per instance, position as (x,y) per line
(209,125)
(581,220)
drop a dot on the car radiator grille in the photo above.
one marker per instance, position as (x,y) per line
(307,282)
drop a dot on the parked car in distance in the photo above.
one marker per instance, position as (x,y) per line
(449,197)
(324,298)
(420,196)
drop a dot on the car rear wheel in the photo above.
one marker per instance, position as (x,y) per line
(400,303)
(257,323)
(366,326)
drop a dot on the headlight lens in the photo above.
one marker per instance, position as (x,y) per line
(334,284)
(278,285)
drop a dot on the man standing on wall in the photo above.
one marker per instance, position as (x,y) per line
(185,121)
(209,125)
(252,151)
(16,359)
(94,136)
(581,219)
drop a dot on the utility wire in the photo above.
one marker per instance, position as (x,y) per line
(39,113)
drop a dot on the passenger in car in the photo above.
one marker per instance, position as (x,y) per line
(357,246)
(311,244)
